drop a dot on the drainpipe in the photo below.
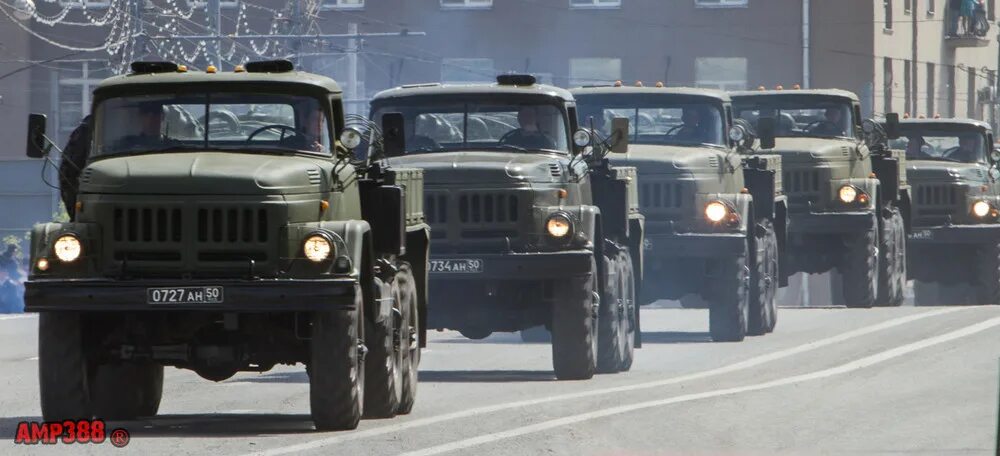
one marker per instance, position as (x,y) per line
(805,44)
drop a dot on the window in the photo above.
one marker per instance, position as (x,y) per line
(467,70)
(343,4)
(888,82)
(907,87)
(589,71)
(663,119)
(87,4)
(930,89)
(971,94)
(721,3)
(466,4)
(930,6)
(952,144)
(950,109)
(888,13)
(76,84)
(595,3)
(724,73)
(906,6)
(810,116)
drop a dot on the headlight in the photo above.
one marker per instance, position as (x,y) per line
(317,248)
(981,209)
(67,248)
(558,225)
(716,211)
(848,193)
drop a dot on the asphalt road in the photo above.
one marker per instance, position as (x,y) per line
(906,380)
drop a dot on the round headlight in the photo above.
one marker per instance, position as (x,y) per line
(558,225)
(716,211)
(848,193)
(67,248)
(350,138)
(736,133)
(981,209)
(581,138)
(317,248)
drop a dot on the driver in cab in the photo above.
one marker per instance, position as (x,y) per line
(146,129)
(967,150)
(833,125)
(692,128)
(531,134)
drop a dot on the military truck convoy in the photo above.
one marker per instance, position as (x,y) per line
(955,237)
(847,205)
(228,222)
(531,224)
(715,211)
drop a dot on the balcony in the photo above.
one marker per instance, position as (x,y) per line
(966,32)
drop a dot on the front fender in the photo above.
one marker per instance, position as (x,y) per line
(44,235)
(348,236)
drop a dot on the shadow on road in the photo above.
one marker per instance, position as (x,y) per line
(275,377)
(675,337)
(8,425)
(486,376)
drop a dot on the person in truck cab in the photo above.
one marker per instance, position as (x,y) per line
(833,125)
(530,134)
(967,150)
(147,132)
(692,128)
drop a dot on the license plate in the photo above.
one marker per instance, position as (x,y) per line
(457,266)
(922,234)
(184,295)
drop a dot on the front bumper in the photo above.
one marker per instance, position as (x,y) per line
(827,223)
(238,295)
(517,266)
(694,245)
(955,234)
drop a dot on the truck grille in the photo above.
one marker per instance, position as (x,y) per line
(660,195)
(936,195)
(806,181)
(232,225)
(436,209)
(487,208)
(473,214)
(936,204)
(134,224)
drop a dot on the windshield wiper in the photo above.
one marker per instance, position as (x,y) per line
(509,146)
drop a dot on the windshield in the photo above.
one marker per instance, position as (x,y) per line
(443,125)
(946,144)
(218,121)
(824,118)
(656,120)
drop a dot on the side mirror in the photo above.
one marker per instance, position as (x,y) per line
(36,136)
(619,135)
(765,132)
(393,135)
(995,155)
(892,125)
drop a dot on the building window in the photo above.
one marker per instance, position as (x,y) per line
(907,87)
(930,90)
(950,109)
(888,13)
(76,82)
(87,4)
(971,93)
(590,71)
(465,71)
(343,4)
(466,4)
(724,73)
(595,3)
(906,6)
(930,6)
(888,82)
(721,3)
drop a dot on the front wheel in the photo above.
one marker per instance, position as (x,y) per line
(64,373)
(410,338)
(892,260)
(384,362)
(574,327)
(729,312)
(988,274)
(764,280)
(859,270)
(337,368)
(616,320)
(127,391)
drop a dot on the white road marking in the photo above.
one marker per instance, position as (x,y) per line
(852,366)
(16,316)
(746,364)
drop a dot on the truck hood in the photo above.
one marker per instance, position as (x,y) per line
(216,173)
(934,170)
(811,150)
(486,167)
(660,159)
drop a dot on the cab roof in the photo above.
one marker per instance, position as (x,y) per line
(955,122)
(631,90)
(838,93)
(313,82)
(472,89)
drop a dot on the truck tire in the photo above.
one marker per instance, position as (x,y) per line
(988,274)
(631,312)
(574,327)
(63,369)
(616,334)
(763,280)
(892,260)
(127,391)
(730,308)
(410,337)
(859,270)
(384,362)
(336,367)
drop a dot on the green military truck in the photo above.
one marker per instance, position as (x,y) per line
(955,236)
(715,211)
(847,204)
(531,224)
(221,227)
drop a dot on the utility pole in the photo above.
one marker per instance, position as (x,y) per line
(352,63)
